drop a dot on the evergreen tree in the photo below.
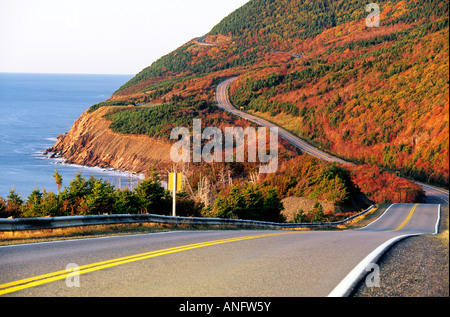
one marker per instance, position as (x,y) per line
(73,195)
(14,204)
(272,207)
(250,202)
(126,202)
(58,180)
(299,216)
(33,205)
(50,204)
(99,200)
(154,198)
(319,216)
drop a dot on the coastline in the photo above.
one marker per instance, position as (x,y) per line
(57,159)
(48,106)
(90,142)
(109,171)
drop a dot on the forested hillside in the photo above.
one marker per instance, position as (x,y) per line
(371,95)
(376,96)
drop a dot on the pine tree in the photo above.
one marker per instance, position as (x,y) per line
(126,202)
(319,216)
(50,203)
(14,204)
(58,179)
(33,205)
(154,198)
(100,200)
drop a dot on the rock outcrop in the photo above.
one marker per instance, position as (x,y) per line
(90,142)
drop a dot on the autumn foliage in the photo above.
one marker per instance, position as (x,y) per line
(384,187)
(378,97)
(370,95)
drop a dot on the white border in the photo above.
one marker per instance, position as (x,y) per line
(346,286)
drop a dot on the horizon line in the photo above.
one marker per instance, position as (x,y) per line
(65,73)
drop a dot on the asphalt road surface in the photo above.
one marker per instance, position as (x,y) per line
(215,263)
(207,263)
(223,103)
(435,195)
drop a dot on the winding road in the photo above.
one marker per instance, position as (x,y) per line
(224,103)
(210,263)
(237,263)
(202,41)
(433,194)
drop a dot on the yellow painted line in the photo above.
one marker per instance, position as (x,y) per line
(59,275)
(87,266)
(406,220)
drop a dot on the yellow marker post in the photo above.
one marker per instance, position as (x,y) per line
(174,185)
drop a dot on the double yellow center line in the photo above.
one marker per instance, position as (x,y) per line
(406,220)
(60,275)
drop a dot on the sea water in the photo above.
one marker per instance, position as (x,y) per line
(34,110)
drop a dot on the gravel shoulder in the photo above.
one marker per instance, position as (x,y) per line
(414,267)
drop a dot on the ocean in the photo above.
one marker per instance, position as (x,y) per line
(34,110)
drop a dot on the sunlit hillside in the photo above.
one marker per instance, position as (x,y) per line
(375,95)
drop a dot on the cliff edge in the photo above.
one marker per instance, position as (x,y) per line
(90,142)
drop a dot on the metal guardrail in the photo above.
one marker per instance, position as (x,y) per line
(21,224)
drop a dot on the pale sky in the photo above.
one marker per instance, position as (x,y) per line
(100,36)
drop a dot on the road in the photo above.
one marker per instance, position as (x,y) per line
(208,263)
(215,263)
(294,55)
(224,103)
(202,41)
(435,195)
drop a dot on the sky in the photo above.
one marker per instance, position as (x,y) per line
(100,36)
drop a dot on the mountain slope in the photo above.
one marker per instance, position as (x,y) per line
(381,100)
(371,95)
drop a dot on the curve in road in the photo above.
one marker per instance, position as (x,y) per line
(434,194)
(211,263)
(214,263)
(224,103)
(202,41)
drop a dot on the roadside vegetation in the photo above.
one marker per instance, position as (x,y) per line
(213,190)
(374,96)
(93,196)
(97,197)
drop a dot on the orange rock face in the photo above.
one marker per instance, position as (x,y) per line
(90,142)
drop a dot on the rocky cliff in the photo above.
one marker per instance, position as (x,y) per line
(90,142)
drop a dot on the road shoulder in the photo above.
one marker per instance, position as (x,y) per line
(415,267)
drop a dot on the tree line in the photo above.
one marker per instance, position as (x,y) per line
(94,196)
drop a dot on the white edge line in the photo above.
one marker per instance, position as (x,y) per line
(377,218)
(438,220)
(83,239)
(346,286)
